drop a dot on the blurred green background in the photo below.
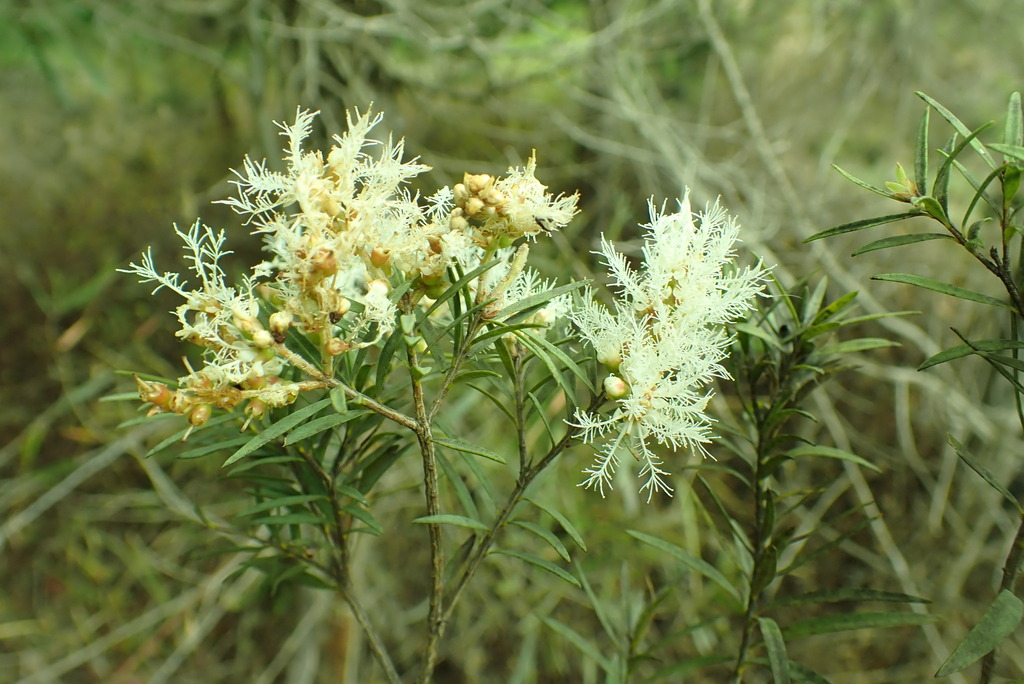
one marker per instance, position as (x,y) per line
(120,117)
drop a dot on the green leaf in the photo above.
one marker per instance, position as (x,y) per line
(563,521)
(960,128)
(297,518)
(801,674)
(941,185)
(318,425)
(1013,130)
(921,152)
(1012,151)
(457,483)
(776,647)
(539,299)
(867,186)
(862,224)
(338,399)
(277,429)
(942,288)
(588,649)
(831,452)
(848,594)
(177,436)
(364,516)
(962,350)
(547,535)
(281,502)
(899,241)
(200,451)
(845,622)
(540,563)
(468,448)
(858,345)
(452,519)
(967,458)
(696,564)
(1001,618)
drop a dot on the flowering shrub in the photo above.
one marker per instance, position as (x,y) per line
(351,248)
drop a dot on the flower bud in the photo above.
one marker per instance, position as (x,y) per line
(473,206)
(611,359)
(280,321)
(615,387)
(380,256)
(263,339)
(200,414)
(336,346)
(476,183)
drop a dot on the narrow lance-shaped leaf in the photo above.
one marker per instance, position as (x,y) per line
(829,624)
(452,519)
(540,563)
(899,241)
(959,127)
(776,647)
(862,224)
(1001,618)
(962,350)
(279,428)
(921,152)
(940,189)
(1013,131)
(973,464)
(690,561)
(941,287)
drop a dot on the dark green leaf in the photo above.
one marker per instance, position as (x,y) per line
(867,186)
(801,674)
(540,563)
(899,241)
(468,448)
(858,345)
(592,652)
(921,152)
(451,519)
(941,185)
(199,452)
(831,452)
(539,299)
(461,490)
(829,624)
(277,429)
(563,521)
(962,350)
(298,518)
(1012,151)
(960,128)
(281,502)
(547,535)
(1001,618)
(967,458)
(363,515)
(1013,130)
(318,425)
(942,288)
(862,224)
(696,564)
(776,647)
(848,594)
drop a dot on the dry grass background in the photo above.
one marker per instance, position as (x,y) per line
(120,116)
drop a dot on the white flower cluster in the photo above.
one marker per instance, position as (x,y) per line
(342,231)
(663,339)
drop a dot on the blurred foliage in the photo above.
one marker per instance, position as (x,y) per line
(123,116)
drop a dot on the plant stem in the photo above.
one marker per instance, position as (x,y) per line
(1014,561)
(431,487)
